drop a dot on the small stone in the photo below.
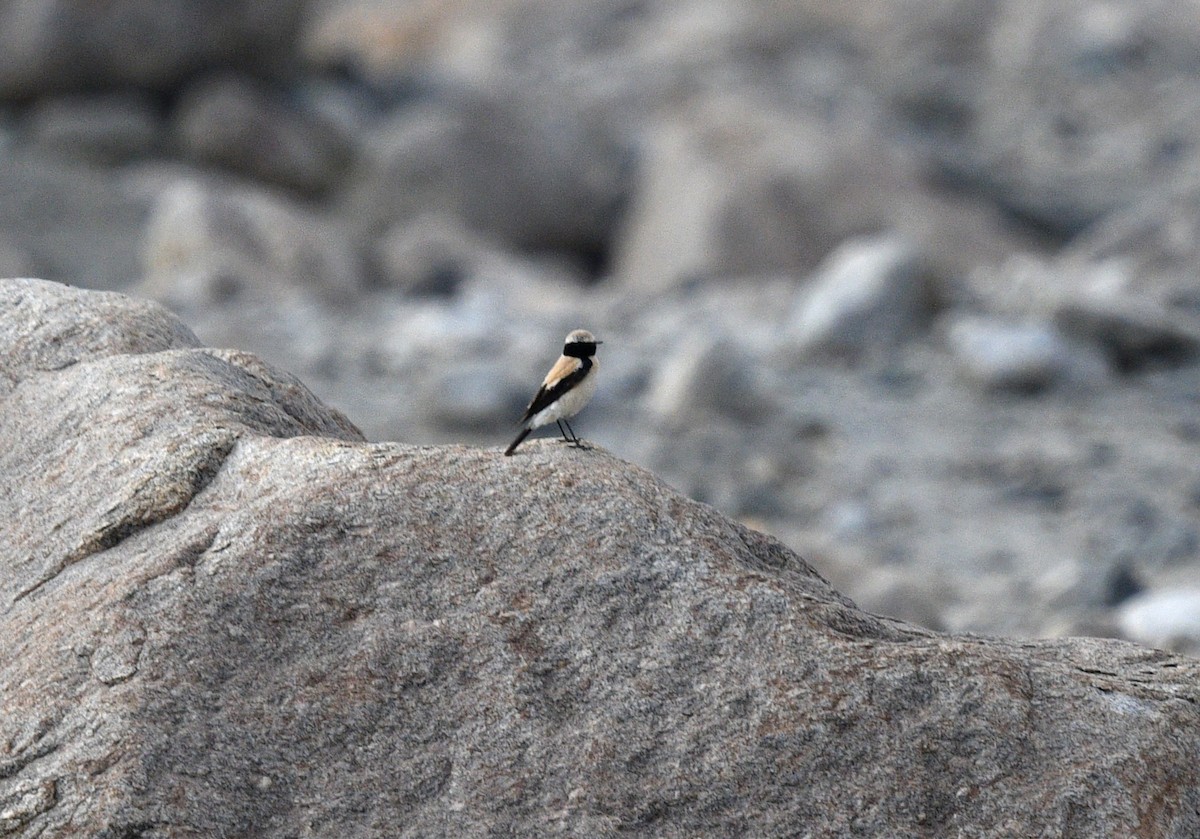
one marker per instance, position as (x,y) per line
(51,46)
(535,179)
(1026,357)
(1120,584)
(708,377)
(725,189)
(872,292)
(1168,618)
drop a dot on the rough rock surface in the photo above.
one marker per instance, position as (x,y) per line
(227,614)
(45,328)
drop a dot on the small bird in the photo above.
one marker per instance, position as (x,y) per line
(566,389)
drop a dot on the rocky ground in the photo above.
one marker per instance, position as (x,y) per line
(910,285)
(225,613)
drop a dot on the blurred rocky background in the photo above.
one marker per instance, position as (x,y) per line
(910,284)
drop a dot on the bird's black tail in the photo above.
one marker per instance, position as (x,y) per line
(517,442)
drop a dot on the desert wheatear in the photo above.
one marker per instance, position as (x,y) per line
(566,389)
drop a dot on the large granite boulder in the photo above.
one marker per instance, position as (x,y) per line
(226,614)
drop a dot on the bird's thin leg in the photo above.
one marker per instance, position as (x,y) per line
(574,437)
(560,428)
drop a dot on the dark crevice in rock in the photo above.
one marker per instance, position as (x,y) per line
(1096,672)
(135,830)
(9,768)
(29,799)
(189,555)
(193,553)
(114,533)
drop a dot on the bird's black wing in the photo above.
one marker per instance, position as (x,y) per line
(546,396)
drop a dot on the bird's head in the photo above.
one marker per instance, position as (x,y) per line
(580,344)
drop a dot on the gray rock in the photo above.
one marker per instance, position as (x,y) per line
(928,57)
(1168,618)
(54,46)
(1131,307)
(871,293)
(56,337)
(46,327)
(1025,357)
(228,614)
(110,128)
(339,102)
(705,376)
(513,168)
(731,188)
(602,52)
(239,124)
(1060,113)
(429,255)
(726,189)
(437,255)
(1026,287)
(1152,246)
(206,245)
(386,41)
(1134,334)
